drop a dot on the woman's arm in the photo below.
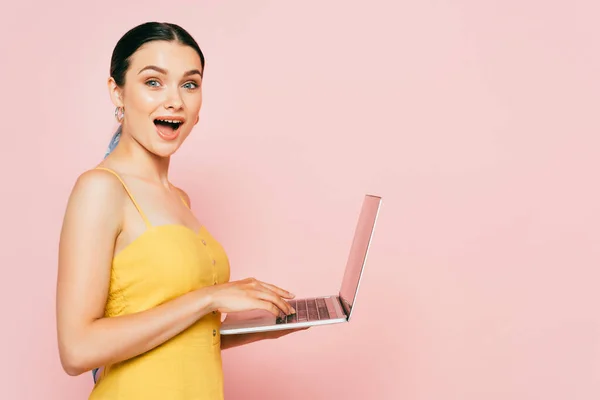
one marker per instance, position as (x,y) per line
(86,339)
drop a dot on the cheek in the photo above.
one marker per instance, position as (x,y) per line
(143,101)
(194,102)
(149,99)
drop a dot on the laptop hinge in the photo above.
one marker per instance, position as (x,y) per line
(344,309)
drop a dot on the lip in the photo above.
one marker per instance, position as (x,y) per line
(175,133)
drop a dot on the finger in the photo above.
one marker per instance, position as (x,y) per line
(270,307)
(274,296)
(278,290)
(278,301)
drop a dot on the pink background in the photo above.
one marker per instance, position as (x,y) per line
(475,120)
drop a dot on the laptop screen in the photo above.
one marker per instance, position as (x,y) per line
(358,251)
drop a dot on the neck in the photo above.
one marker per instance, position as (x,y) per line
(141,162)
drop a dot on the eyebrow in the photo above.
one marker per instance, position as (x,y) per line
(164,71)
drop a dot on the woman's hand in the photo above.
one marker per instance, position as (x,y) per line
(279,333)
(230,341)
(250,294)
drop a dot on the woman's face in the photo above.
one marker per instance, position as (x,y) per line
(162,95)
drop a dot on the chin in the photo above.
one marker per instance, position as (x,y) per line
(165,149)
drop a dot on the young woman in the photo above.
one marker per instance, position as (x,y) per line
(141,283)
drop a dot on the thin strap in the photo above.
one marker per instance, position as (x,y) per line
(183,200)
(146,221)
(181,197)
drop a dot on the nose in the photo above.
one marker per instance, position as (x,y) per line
(173,100)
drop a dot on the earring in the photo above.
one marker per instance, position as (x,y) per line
(119,114)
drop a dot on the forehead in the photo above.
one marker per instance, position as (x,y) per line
(172,56)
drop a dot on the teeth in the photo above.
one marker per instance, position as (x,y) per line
(170,121)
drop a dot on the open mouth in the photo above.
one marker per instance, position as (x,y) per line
(167,127)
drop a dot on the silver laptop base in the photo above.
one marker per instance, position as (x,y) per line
(309,312)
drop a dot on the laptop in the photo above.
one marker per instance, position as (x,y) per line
(322,310)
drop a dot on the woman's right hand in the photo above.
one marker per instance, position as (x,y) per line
(250,294)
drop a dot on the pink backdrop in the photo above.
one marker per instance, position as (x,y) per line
(476,121)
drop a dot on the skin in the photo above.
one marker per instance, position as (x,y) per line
(100,220)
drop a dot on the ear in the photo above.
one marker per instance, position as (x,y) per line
(116,93)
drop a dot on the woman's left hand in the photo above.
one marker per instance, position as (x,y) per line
(229,341)
(280,333)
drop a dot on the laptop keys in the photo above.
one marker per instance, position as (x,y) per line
(307,310)
(292,318)
(313,314)
(322,309)
(301,311)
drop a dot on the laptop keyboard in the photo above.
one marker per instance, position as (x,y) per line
(308,310)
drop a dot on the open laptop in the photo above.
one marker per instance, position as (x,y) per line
(323,310)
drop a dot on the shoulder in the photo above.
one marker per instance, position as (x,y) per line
(97,184)
(97,192)
(185,196)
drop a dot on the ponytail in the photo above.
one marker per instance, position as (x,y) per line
(114,141)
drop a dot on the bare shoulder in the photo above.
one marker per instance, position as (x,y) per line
(95,188)
(185,196)
(96,194)
(98,180)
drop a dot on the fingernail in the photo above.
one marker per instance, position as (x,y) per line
(293,310)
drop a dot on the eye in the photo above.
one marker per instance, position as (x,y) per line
(190,85)
(152,83)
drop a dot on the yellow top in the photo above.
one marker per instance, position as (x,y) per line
(165,262)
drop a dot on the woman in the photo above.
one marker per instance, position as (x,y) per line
(141,283)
